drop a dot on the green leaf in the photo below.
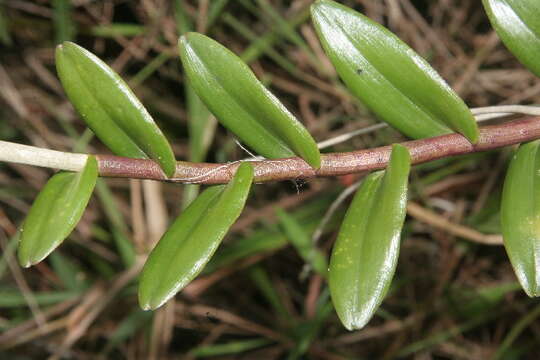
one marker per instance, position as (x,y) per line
(520,216)
(110,108)
(190,242)
(55,212)
(302,242)
(388,76)
(517,23)
(365,254)
(241,103)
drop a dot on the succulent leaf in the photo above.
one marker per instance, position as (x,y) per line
(365,255)
(392,80)
(110,108)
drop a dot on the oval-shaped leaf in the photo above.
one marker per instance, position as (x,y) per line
(366,251)
(520,216)
(388,76)
(110,108)
(517,22)
(55,212)
(303,243)
(188,245)
(241,103)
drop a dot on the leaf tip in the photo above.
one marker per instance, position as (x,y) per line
(183,43)
(182,39)
(168,167)
(531,289)
(469,128)
(145,305)
(314,161)
(25,263)
(30,258)
(66,45)
(149,302)
(355,321)
(187,37)
(25,259)
(354,325)
(473,135)
(316,8)
(60,50)
(319,3)
(144,302)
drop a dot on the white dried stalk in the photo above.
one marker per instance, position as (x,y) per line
(31,155)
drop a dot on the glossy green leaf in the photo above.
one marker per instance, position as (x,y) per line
(55,212)
(388,76)
(365,254)
(190,242)
(241,103)
(303,243)
(520,216)
(517,22)
(110,108)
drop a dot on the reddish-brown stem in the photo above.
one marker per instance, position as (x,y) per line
(333,164)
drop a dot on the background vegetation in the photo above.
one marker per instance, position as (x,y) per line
(454,297)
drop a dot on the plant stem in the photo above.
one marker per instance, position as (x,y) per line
(333,164)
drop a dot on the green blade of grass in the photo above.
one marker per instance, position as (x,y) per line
(260,278)
(5,36)
(63,23)
(127,328)
(516,330)
(272,238)
(303,244)
(14,298)
(120,232)
(68,272)
(260,46)
(116,29)
(231,348)
(307,332)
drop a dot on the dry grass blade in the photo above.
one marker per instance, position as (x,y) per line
(429,217)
